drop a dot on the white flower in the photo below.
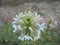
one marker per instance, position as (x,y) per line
(29,24)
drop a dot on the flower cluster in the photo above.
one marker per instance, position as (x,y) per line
(6,19)
(29,25)
(51,21)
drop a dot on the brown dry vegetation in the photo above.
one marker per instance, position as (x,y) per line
(13,7)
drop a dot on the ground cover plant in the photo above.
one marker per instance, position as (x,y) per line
(29,28)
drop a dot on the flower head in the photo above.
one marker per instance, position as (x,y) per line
(51,21)
(29,24)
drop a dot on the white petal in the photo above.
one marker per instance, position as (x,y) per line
(29,11)
(15,28)
(22,39)
(17,16)
(21,21)
(30,28)
(19,27)
(21,13)
(36,14)
(38,35)
(42,26)
(15,19)
(25,37)
(14,22)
